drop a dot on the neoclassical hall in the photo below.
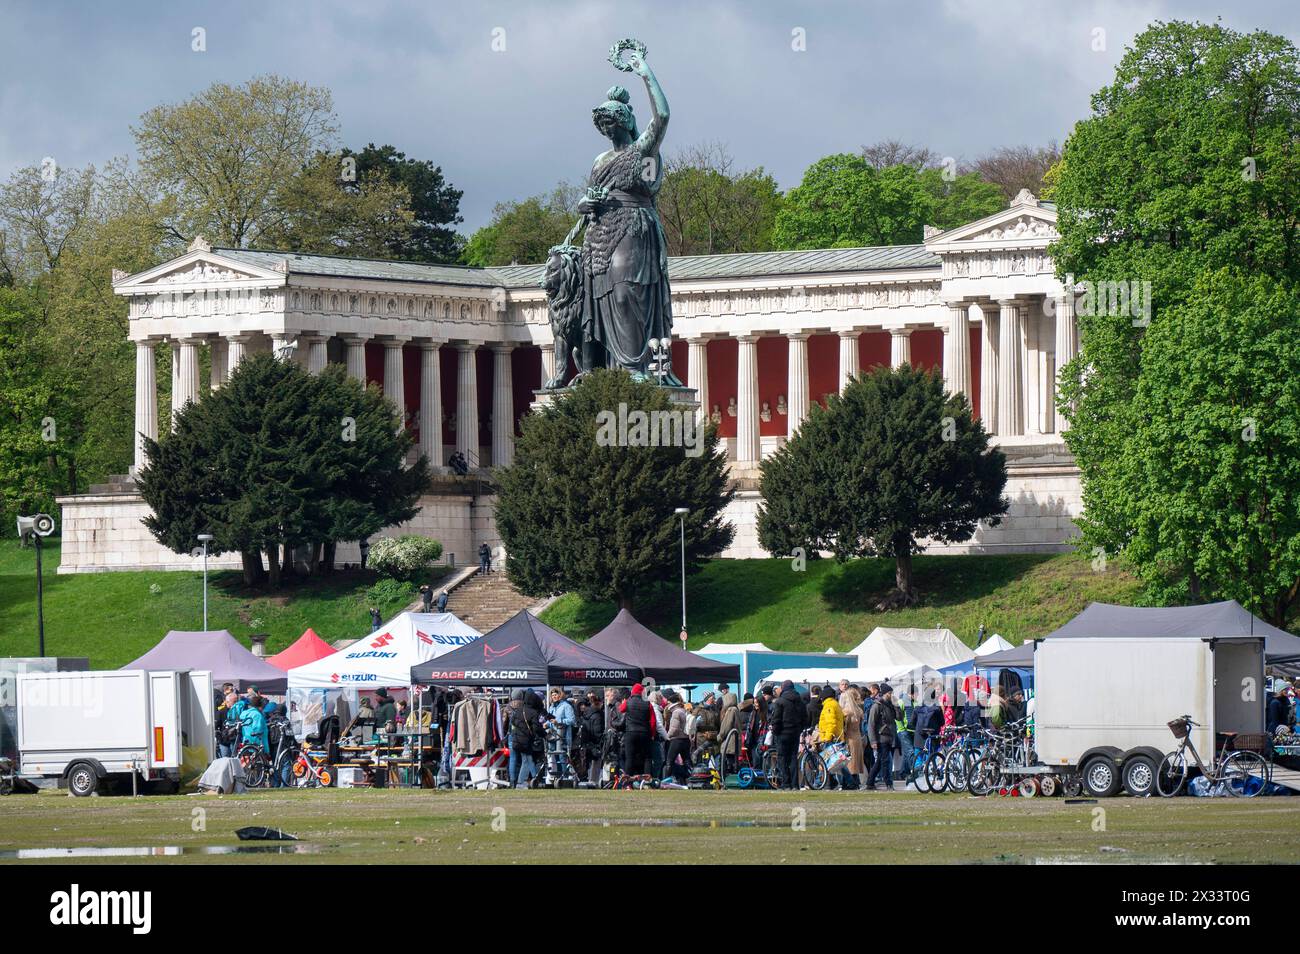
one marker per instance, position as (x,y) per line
(760,336)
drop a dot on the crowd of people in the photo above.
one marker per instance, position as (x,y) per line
(244,720)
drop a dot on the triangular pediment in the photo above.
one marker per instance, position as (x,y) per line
(197,267)
(1025,221)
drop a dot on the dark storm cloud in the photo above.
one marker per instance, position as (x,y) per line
(960,77)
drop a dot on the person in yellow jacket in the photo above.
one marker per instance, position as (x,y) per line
(830,726)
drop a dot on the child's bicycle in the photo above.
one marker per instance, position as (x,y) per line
(311,769)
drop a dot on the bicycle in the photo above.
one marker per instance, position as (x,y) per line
(1006,749)
(1244,774)
(310,770)
(254,763)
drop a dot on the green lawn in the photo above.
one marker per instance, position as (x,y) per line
(115,617)
(356,826)
(832,605)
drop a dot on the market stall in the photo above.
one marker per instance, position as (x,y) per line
(887,654)
(216,651)
(625,638)
(305,649)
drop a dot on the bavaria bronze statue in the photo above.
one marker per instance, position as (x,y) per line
(609,299)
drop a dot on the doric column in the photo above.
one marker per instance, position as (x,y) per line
(796,388)
(431,403)
(467,402)
(395,377)
(317,353)
(218,363)
(548,361)
(1067,343)
(503,406)
(956,350)
(236,348)
(747,443)
(1011,376)
(989,367)
(697,374)
(146,399)
(848,357)
(900,347)
(356,358)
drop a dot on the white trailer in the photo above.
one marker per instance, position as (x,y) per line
(83,729)
(1103,704)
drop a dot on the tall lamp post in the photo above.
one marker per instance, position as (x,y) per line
(37,528)
(681,516)
(205,539)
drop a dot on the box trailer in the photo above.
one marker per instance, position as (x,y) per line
(85,729)
(1102,705)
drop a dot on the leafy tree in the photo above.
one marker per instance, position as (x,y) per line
(844,202)
(224,159)
(962,199)
(433,202)
(523,232)
(708,208)
(28,479)
(580,513)
(277,459)
(890,463)
(1187,177)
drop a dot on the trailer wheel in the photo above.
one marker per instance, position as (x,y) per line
(83,780)
(1140,776)
(1071,785)
(1101,777)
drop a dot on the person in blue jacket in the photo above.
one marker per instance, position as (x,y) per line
(254,725)
(561,710)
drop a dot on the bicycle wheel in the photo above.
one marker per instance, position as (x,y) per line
(283,772)
(1245,774)
(772,769)
(253,763)
(983,776)
(812,771)
(934,772)
(956,769)
(1171,775)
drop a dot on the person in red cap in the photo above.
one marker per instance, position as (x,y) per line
(639,728)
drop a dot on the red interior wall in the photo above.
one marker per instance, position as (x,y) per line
(526,377)
(447,372)
(823,366)
(483,360)
(411,385)
(976,368)
(927,349)
(724,356)
(873,350)
(374,363)
(773,362)
(681,362)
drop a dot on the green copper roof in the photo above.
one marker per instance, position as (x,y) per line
(680,268)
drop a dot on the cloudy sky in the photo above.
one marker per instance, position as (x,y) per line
(499,93)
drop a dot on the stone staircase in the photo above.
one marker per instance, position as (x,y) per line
(485,601)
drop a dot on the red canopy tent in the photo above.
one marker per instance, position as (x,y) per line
(307,648)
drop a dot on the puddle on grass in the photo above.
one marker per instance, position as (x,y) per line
(733,823)
(158,851)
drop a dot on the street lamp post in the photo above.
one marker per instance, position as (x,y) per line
(681,516)
(205,539)
(37,528)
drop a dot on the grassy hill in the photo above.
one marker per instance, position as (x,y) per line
(831,605)
(115,617)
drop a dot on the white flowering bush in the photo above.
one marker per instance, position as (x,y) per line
(403,557)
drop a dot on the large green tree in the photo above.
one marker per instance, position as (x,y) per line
(710,208)
(1186,181)
(845,202)
(583,510)
(522,233)
(434,203)
(891,463)
(277,459)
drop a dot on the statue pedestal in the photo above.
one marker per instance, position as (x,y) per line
(681,397)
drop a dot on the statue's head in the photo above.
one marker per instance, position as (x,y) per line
(614,116)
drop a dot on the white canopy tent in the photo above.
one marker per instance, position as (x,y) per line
(994,644)
(887,654)
(385,657)
(724,648)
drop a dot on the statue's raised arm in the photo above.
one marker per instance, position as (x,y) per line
(658,125)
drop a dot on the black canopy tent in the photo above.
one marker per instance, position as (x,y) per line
(524,651)
(1225,620)
(625,638)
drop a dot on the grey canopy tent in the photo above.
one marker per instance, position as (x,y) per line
(524,651)
(1224,620)
(625,638)
(216,651)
